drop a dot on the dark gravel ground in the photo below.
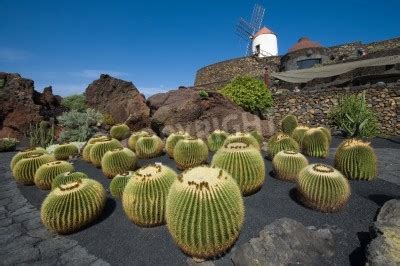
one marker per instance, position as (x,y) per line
(116,240)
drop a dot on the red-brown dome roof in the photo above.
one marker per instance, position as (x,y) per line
(304,43)
(263,30)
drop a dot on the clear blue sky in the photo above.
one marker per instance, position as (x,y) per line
(159,45)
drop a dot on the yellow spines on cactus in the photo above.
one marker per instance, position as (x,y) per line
(205,211)
(89,145)
(134,138)
(216,139)
(47,172)
(258,136)
(25,169)
(327,133)
(171,141)
(118,161)
(99,148)
(288,164)
(120,131)
(65,151)
(289,123)
(67,177)
(242,137)
(144,197)
(23,153)
(190,152)
(298,134)
(149,146)
(280,142)
(245,163)
(315,143)
(356,160)
(118,184)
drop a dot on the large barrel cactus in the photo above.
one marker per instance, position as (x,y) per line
(118,161)
(145,195)
(242,137)
(205,211)
(134,138)
(65,151)
(315,143)
(288,164)
(118,184)
(327,133)
(71,206)
(25,169)
(171,141)
(67,177)
(149,146)
(190,152)
(356,160)
(120,131)
(245,163)
(289,123)
(23,153)
(216,139)
(298,134)
(280,142)
(101,147)
(47,172)
(322,187)
(89,145)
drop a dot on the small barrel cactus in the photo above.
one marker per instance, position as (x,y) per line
(65,151)
(216,139)
(71,206)
(315,143)
(171,141)
(120,131)
(23,153)
(118,184)
(89,145)
(47,172)
(245,163)
(288,164)
(145,195)
(101,147)
(242,137)
(322,187)
(280,142)
(205,211)
(149,146)
(25,169)
(118,161)
(134,138)
(190,152)
(67,177)
(356,160)
(289,123)
(257,135)
(298,134)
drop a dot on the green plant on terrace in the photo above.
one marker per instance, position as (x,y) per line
(41,134)
(203,94)
(75,102)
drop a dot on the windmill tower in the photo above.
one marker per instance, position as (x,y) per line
(260,41)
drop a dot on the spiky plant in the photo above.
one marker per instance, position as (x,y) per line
(327,133)
(25,169)
(245,163)
(118,184)
(120,131)
(257,135)
(145,195)
(23,153)
(356,160)
(67,177)
(171,141)
(89,145)
(315,143)
(118,161)
(100,147)
(47,172)
(205,211)
(190,152)
(242,137)
(71,206)
(288,164)
(280,142)
(322,187)
(149,146)
(289,123)
(65,151)
(134,138)
(298,134)
(216,139)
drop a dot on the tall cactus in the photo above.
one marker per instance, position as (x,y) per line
(47,172)
(190,152)
(315,143)
(171,141)
(242,137)
(288,164)
(280,142)
(65,151)
(67,177)
(289,123)
(216,139)
(20,155)
(25,169)
(120,131)
(149,146)
(118,184)
(118,161)
(298,134)
(101,147)
(134,138)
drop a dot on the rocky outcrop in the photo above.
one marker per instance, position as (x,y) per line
(119,98)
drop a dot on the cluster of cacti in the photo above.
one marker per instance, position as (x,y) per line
(356,160)
(327,133)
(205,211)
(242,137)
(315,143)
(47,172)
(280,142)
(298,134)
(149,146)
(100,147)
(287,165)
(144,197)
(65,151)
(257,135)
(134,138)
(190,152)
(216,139)
(245,163)
(89,145)
(118,161)
(26,167)
(120,131)
(171,141)
(322,187)
(67,177)
(118,184)
(23,153)
(71,206)
(289,123)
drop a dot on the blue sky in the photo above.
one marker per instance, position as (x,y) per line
(159,45)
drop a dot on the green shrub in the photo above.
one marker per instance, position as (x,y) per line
(353,117)
(203,94)
(249,93)
(2,83)
(8,144)
(41,134)
(75,102)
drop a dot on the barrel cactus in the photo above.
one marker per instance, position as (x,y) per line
(71,206)
(315,143)
(288,164)
(134,138)
(280,142)
(257,135)
(327,133)
(289,123)
(205,211)
(25,169)
(47,172)
(118,161)
(322,187)
(118,184)
(190,152)
(101,147)
(67,177)
(65,151)
(120,131)
(356,160)
(243,137)
(23,153)
(149,146)
(89,145)
(171,141)
(216,139)
(298,134)
(245,163)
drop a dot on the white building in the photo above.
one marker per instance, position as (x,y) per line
(265,43)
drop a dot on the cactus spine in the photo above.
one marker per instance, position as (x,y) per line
(20,155)
(288,164)
(190,152)
(65,151)
(120,131)
(89,145)
(243,137)
(134,138)
(25,169)
(315,143)
(280,142)
(149,146)
(67,177)
(216,139)
(118,184)
(298,134)
(47,172)
(289,123)
(118,161)
(171,141)
(99,148)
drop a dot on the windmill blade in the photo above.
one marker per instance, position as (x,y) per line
(243,29)
(257,17)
